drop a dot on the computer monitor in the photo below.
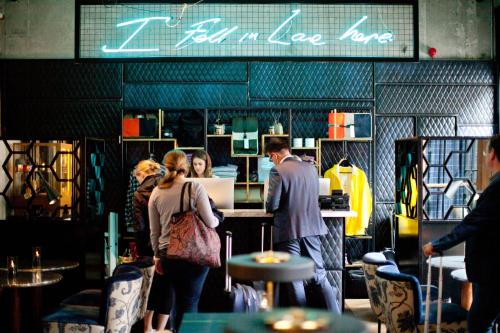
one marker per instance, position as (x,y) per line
(221,190)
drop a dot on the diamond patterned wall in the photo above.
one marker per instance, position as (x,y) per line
(359,154)
(331,243)
(185,96)
(436,126)
(475,130)
(389,129)
(311,80)
(71,119)
(335,279)
(311,104)
(383,215)
(62,80)
(473,104)
(186,72)
(445,72)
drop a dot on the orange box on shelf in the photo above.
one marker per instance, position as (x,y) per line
(336,125)
(131,127)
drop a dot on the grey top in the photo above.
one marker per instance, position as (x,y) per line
(163,203)
(293,198)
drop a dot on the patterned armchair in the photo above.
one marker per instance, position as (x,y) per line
(371,261)
(91,298)
(401,298)
(116,314)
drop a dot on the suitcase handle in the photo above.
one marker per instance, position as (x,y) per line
(229,251)
(428,294)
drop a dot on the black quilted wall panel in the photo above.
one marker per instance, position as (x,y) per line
(314,80)
(335,279)
(389,129)
(473,104)
(359,154)
(383,215)
(310,104)
(185,96)
(186,72)
(436,126)
(63,80)
(70,119)
(444,72)
(331,243)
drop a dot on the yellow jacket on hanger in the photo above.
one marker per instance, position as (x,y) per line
(353,181)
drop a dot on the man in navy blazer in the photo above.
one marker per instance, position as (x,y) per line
(293,199)
(480,229)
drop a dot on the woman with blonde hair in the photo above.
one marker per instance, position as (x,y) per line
(201,165)
(187,279)
(148,174)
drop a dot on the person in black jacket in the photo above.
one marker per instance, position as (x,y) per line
(480,229)
(147,173)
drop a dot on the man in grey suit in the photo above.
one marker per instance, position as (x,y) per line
(293,199)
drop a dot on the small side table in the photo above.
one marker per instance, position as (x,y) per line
(466,288)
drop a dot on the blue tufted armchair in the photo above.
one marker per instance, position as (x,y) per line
(404,312)
(116,314)
(372,261)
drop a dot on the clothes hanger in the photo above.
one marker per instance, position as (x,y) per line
(344,162)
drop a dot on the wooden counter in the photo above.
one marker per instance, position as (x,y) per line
(262,213)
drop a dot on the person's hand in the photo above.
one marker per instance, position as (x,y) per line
(158,267)
(428,249)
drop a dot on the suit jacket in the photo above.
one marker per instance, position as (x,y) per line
(293,198)
(480,229)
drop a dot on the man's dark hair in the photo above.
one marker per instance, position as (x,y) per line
(276,145)
(495,145)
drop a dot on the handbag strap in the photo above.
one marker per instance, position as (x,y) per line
(182,195)
(188,185)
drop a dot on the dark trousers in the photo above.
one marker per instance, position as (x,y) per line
(187,283)
(484,309)
(309,247)
(160,295)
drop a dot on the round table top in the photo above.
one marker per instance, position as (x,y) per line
(256,322)
(450,262)
(246,268)
(28,279)
(459,275)
(49,265)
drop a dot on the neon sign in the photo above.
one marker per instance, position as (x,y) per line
(307,30)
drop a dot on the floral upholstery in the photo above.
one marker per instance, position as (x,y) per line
(401,298)
(92,297)
(147,268)
(117,313)
(371,261)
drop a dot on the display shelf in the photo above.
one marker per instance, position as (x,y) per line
(347,140)
(219,135)
(190,148)
(150,140)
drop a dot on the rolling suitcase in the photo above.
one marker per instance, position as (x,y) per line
(428,296)
(239,298)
